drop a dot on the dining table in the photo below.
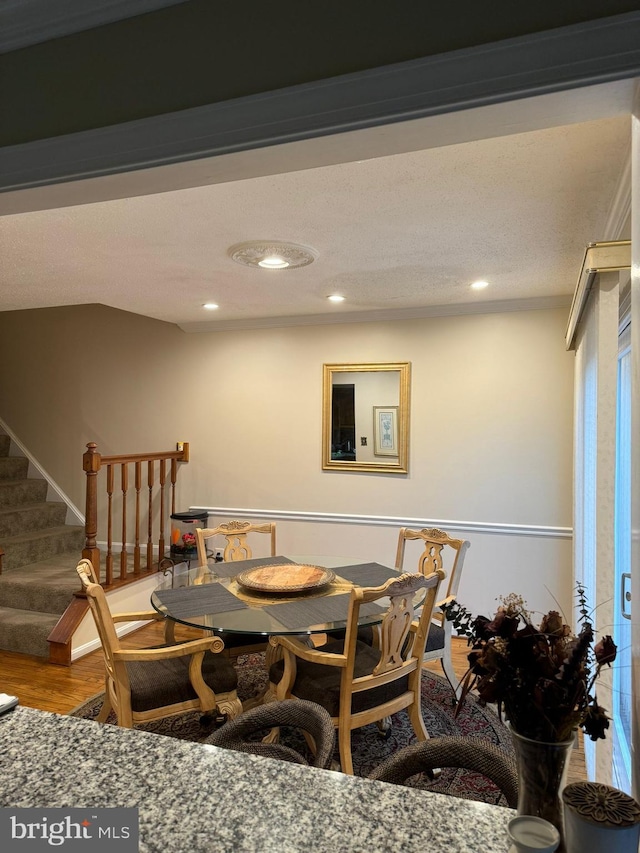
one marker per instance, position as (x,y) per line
(267,597)
(271,596)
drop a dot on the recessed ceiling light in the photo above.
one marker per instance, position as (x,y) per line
(210,306)
(480,285)
(272,254)
(335,298)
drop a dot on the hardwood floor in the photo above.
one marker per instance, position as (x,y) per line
(60,689)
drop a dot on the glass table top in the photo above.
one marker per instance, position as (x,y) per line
(212,598)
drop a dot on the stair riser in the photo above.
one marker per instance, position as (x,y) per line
(42,548)
(28,638)
(13,467)
(22,492)
(17,522)
(5,442)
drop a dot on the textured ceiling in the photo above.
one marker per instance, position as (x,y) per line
(407,232)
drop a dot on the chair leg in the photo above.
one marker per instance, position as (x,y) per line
(344,743)
(447,668)
(229,704)
(310,742)
(125,717)
(384,725)
(107,707)
(105,710)
(415,715)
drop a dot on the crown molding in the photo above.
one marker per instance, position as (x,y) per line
(584,54)
(540,303)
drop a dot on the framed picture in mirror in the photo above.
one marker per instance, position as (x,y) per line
(385,431)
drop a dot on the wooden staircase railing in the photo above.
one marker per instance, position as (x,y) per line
(149,474)
(154,476)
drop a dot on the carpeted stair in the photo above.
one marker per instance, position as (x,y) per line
(40,554)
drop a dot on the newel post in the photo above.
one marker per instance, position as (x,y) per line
(91,462)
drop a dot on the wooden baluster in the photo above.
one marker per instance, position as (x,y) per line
(136,547)
(109,560)
(150,482)
(174,477)
(91,462)
(163,477)
(124,475)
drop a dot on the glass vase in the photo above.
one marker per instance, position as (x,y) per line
(542,772)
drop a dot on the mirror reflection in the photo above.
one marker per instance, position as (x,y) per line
(366,417)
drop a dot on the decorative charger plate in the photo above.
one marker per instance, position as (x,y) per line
(286,578)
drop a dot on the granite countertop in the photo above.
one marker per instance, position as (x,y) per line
(194,797)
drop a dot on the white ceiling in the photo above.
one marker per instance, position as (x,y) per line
(396,235)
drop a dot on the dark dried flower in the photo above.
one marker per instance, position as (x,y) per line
(540,677)
(595,722)
(605,651)
(480,627)
(552,624)
(503,624)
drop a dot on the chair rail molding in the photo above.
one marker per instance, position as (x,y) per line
(498,528)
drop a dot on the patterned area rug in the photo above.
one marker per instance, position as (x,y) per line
(368,745)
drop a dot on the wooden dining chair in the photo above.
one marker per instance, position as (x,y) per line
(152,683)
(439,552)
(235,534)
(357,683)
(236,548)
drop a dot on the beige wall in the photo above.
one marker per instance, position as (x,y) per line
(490,434)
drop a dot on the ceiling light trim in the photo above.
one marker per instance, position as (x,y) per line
(253,253)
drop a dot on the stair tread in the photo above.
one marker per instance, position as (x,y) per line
(41,534)
(42,575)
(65,560)
(13,615)
(30,506)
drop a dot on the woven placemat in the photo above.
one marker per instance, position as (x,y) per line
(366,574)
(234,567)
(317,611)
(199,600)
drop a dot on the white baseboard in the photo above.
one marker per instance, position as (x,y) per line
(92,645)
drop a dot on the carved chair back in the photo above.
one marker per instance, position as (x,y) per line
(235,533)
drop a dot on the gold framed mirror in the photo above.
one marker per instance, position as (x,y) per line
(365,417)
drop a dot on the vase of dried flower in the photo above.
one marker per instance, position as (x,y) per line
(542,772)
